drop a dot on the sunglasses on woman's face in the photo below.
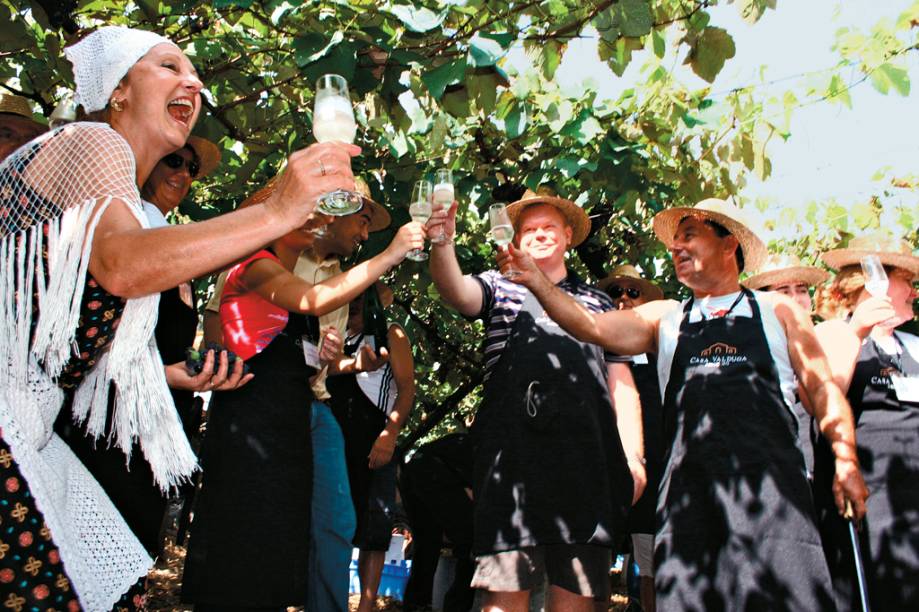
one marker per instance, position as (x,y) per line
(616,292)
(175,161)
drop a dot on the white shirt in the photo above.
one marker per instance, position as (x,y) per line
(775,336)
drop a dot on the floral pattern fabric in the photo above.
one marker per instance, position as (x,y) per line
(32,576)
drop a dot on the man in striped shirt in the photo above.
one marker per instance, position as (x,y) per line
(558,444)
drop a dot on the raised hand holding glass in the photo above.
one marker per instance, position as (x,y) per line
(420,209)
(333,121)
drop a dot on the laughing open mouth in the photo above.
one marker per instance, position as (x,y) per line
(181,109)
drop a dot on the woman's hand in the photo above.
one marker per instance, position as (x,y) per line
(209,379)
(310,173)
(871,312)
(410,236)
(366,360)
(382,450)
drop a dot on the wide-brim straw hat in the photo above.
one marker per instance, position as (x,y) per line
(629,272)
(379,217)
(15,105)
(781,269)
(574,214)
(721,212)
(208,154)
(893,252)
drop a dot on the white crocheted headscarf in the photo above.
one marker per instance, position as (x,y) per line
(102,59)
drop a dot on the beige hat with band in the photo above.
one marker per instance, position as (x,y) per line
(629,272)
(15,105)
(724,214)
(893,252)
(574,214)
(784,268)
(207,152)
(379,216)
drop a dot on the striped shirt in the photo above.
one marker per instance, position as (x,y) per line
(502,301)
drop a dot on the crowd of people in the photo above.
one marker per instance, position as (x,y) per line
(725,440)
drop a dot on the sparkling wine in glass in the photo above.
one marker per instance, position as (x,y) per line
(876,282)
(333,121)
(443,197)
(420,210)
(502,230)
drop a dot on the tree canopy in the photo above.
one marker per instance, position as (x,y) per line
(432,88)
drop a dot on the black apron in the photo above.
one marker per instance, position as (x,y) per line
(887,436)
(736,520)
(549,465)
(251,531)
(641,516)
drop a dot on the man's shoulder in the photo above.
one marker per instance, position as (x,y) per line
(592,297)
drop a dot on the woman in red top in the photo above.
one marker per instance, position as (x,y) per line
(250,538)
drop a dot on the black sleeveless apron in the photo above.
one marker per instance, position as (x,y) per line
(887,436)
(250,535)
(736,520)
(549,465)
(641,515)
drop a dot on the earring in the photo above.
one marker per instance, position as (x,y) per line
(117,105)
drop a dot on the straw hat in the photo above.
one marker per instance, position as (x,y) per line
(721,212)
(207,152)
(574,214)
(626,271)
(785,268)
(891,251)
(379,218)
(15,105)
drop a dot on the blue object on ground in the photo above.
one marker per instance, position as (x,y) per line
(392,582)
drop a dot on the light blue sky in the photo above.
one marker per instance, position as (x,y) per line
(833,152)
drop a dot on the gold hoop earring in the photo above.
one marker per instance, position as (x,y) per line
(117,105)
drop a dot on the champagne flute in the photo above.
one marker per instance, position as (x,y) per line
(443,198)
(502,230)
(420,210)
(876,282)
(333,121)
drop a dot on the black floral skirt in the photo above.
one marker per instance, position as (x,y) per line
(32,576)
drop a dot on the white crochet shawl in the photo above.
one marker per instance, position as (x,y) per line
(79,169)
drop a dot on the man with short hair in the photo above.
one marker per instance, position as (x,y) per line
(17,126)
(736,521)
(557,460)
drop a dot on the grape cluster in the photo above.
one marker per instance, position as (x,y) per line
(194,359)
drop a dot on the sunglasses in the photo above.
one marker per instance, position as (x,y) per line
(616,292)
(175,161)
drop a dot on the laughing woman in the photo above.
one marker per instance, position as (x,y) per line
(80,276)
(878,367)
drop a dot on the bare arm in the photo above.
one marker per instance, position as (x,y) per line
(403,370)
(458,290)
(831,410)
(129,261)
(627,411)
(286,290)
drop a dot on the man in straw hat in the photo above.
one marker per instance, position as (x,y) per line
(555,466)
(785,274)
(877,365)
(628,289)
(736,521)
(333,519)
(17,126)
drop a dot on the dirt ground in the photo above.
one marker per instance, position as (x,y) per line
(164,585)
